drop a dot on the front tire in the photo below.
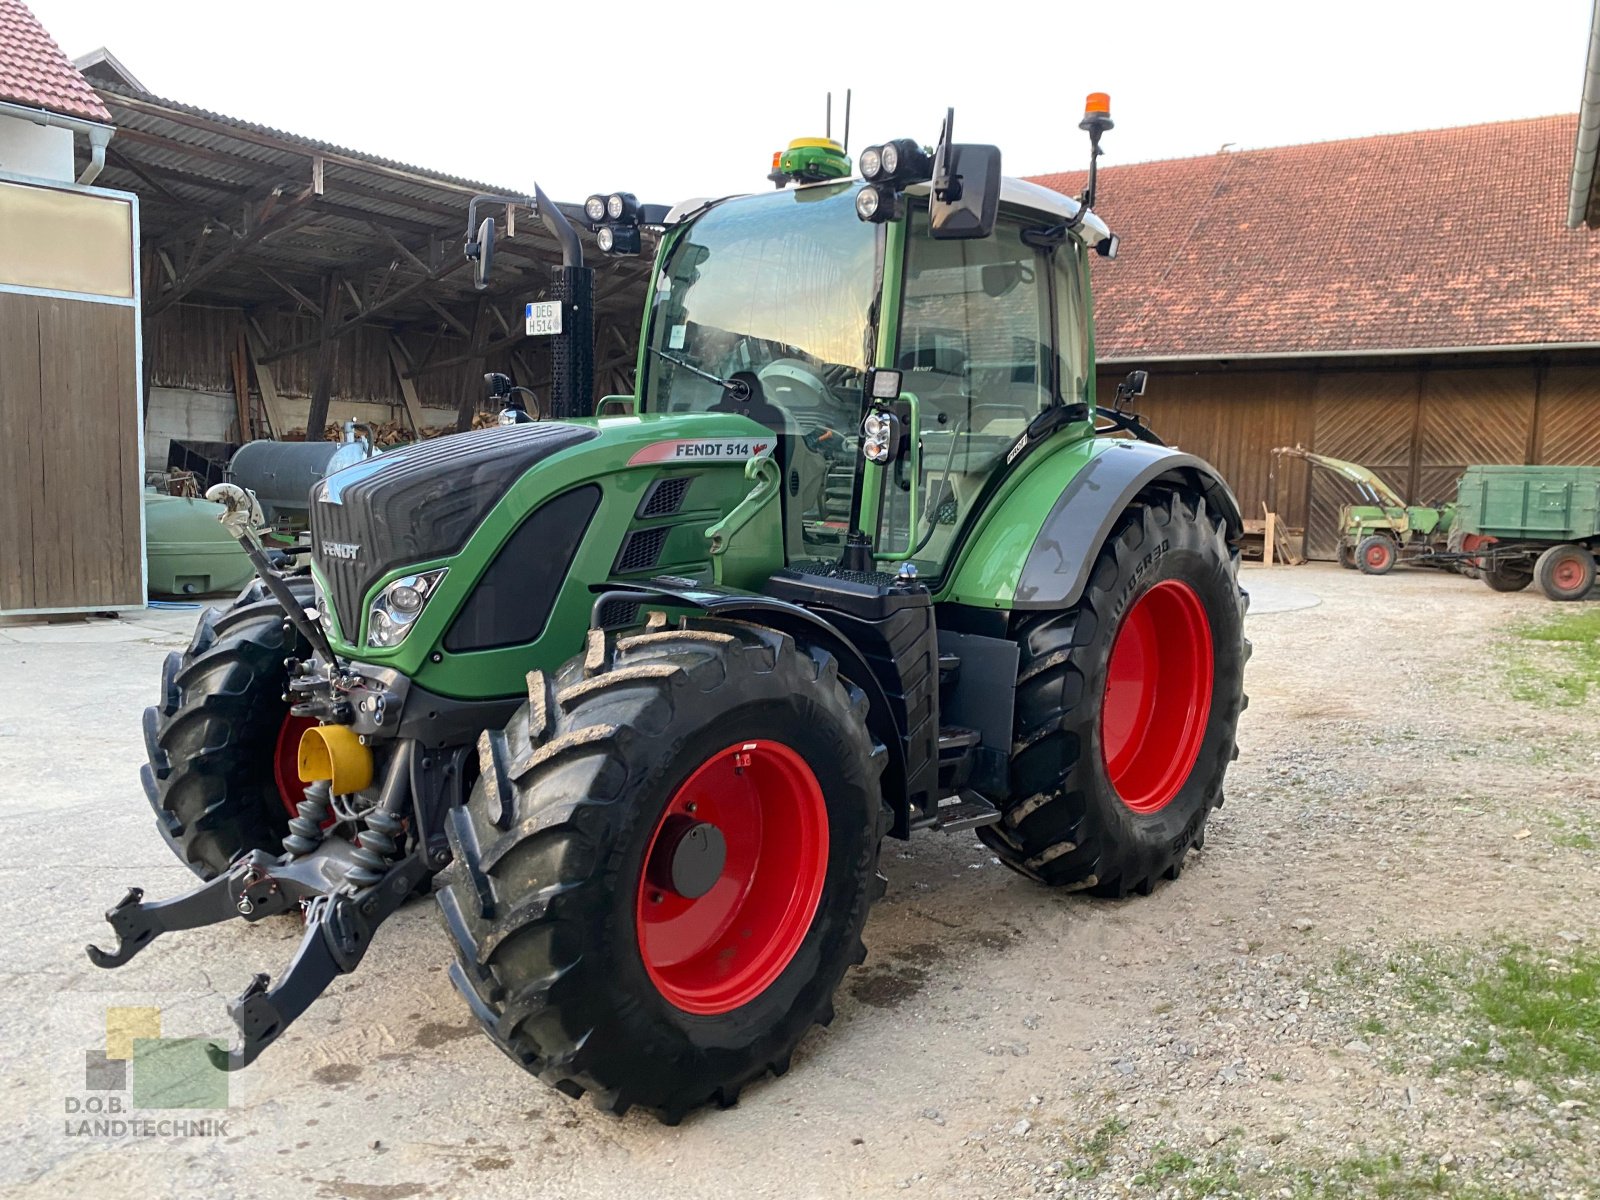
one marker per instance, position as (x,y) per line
(221,743)
(1376,554)
(1127,708)
(664,870)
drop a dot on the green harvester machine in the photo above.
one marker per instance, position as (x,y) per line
(645,683)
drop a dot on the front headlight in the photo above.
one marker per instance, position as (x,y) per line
(398,606)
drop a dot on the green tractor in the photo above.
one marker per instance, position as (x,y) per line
(1373,537)
(646,683)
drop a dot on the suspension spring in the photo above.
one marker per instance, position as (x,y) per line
(305,828)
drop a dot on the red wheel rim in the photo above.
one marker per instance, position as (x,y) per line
(720,950)
(1158,696)
(1568,574)
(286,761)
(1378,555)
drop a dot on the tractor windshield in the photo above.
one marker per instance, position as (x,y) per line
(776,290)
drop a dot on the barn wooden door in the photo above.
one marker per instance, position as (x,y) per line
(71,509)
(1471,416)
(1368,417)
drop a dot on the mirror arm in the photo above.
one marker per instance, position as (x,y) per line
(549,214)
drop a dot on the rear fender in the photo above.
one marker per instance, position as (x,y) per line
(1058,563)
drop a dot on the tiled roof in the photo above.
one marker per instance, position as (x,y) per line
(34,72)
(1448,238)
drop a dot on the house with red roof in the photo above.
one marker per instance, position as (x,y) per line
(1413,301)
(71,506)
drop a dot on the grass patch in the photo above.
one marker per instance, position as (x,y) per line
(1573,641)
(1387,1177)
(1094,1152)
(1545,1011)
(1192,1179)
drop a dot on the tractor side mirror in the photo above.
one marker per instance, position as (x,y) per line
(967,207)
(1133,385)
(482,254)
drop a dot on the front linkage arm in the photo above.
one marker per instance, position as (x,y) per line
(346,891)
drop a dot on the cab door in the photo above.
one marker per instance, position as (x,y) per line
(990,336)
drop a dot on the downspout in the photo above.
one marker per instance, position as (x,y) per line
(1588,149)
(99,135)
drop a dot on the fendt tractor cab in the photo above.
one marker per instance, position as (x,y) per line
(646,682)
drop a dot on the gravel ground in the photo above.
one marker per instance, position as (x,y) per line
(1309,1011)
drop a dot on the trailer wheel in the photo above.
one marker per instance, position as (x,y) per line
(1508,575)
(664,869)
(1565,572)
(1127,708)
(1375,554)
(221,742)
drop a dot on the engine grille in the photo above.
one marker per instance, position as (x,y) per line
(665,496)
(416,504)
(641,549)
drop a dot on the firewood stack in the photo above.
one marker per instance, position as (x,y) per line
(391,433)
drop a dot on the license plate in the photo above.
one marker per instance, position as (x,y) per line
(544,318)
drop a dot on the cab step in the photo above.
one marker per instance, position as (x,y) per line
(964,810)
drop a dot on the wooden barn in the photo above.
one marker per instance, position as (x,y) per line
(1414,302)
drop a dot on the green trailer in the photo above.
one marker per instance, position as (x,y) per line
(1532,523)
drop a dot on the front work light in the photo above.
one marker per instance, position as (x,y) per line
(905,162)
(871,163)
(618,239)
(877,202)
(395,610)
(621,206)
(594,209)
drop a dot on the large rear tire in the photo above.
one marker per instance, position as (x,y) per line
(665,867)
(1127,707)
(220,741)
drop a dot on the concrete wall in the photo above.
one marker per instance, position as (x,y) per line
(35,150)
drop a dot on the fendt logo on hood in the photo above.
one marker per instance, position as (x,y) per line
(341,549)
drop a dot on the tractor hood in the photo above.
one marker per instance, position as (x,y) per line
(419,503)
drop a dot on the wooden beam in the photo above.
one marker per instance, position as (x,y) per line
(255,342)
(295,293)
(366,314)
(408,389)
(285,216)
(327,358)
(472,383)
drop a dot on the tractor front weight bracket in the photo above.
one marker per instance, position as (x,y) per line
(340,922)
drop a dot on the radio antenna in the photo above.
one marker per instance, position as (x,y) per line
(828,131)
(847,120)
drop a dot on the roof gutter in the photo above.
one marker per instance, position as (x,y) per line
(1579,208)
(99,135)
(1389,352)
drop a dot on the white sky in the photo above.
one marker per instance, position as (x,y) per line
(679,99)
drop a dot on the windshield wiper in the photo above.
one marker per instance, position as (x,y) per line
(737,388)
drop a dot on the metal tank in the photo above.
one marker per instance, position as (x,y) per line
(282,474)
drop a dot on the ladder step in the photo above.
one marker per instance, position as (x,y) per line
(966,810)
(955,737)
